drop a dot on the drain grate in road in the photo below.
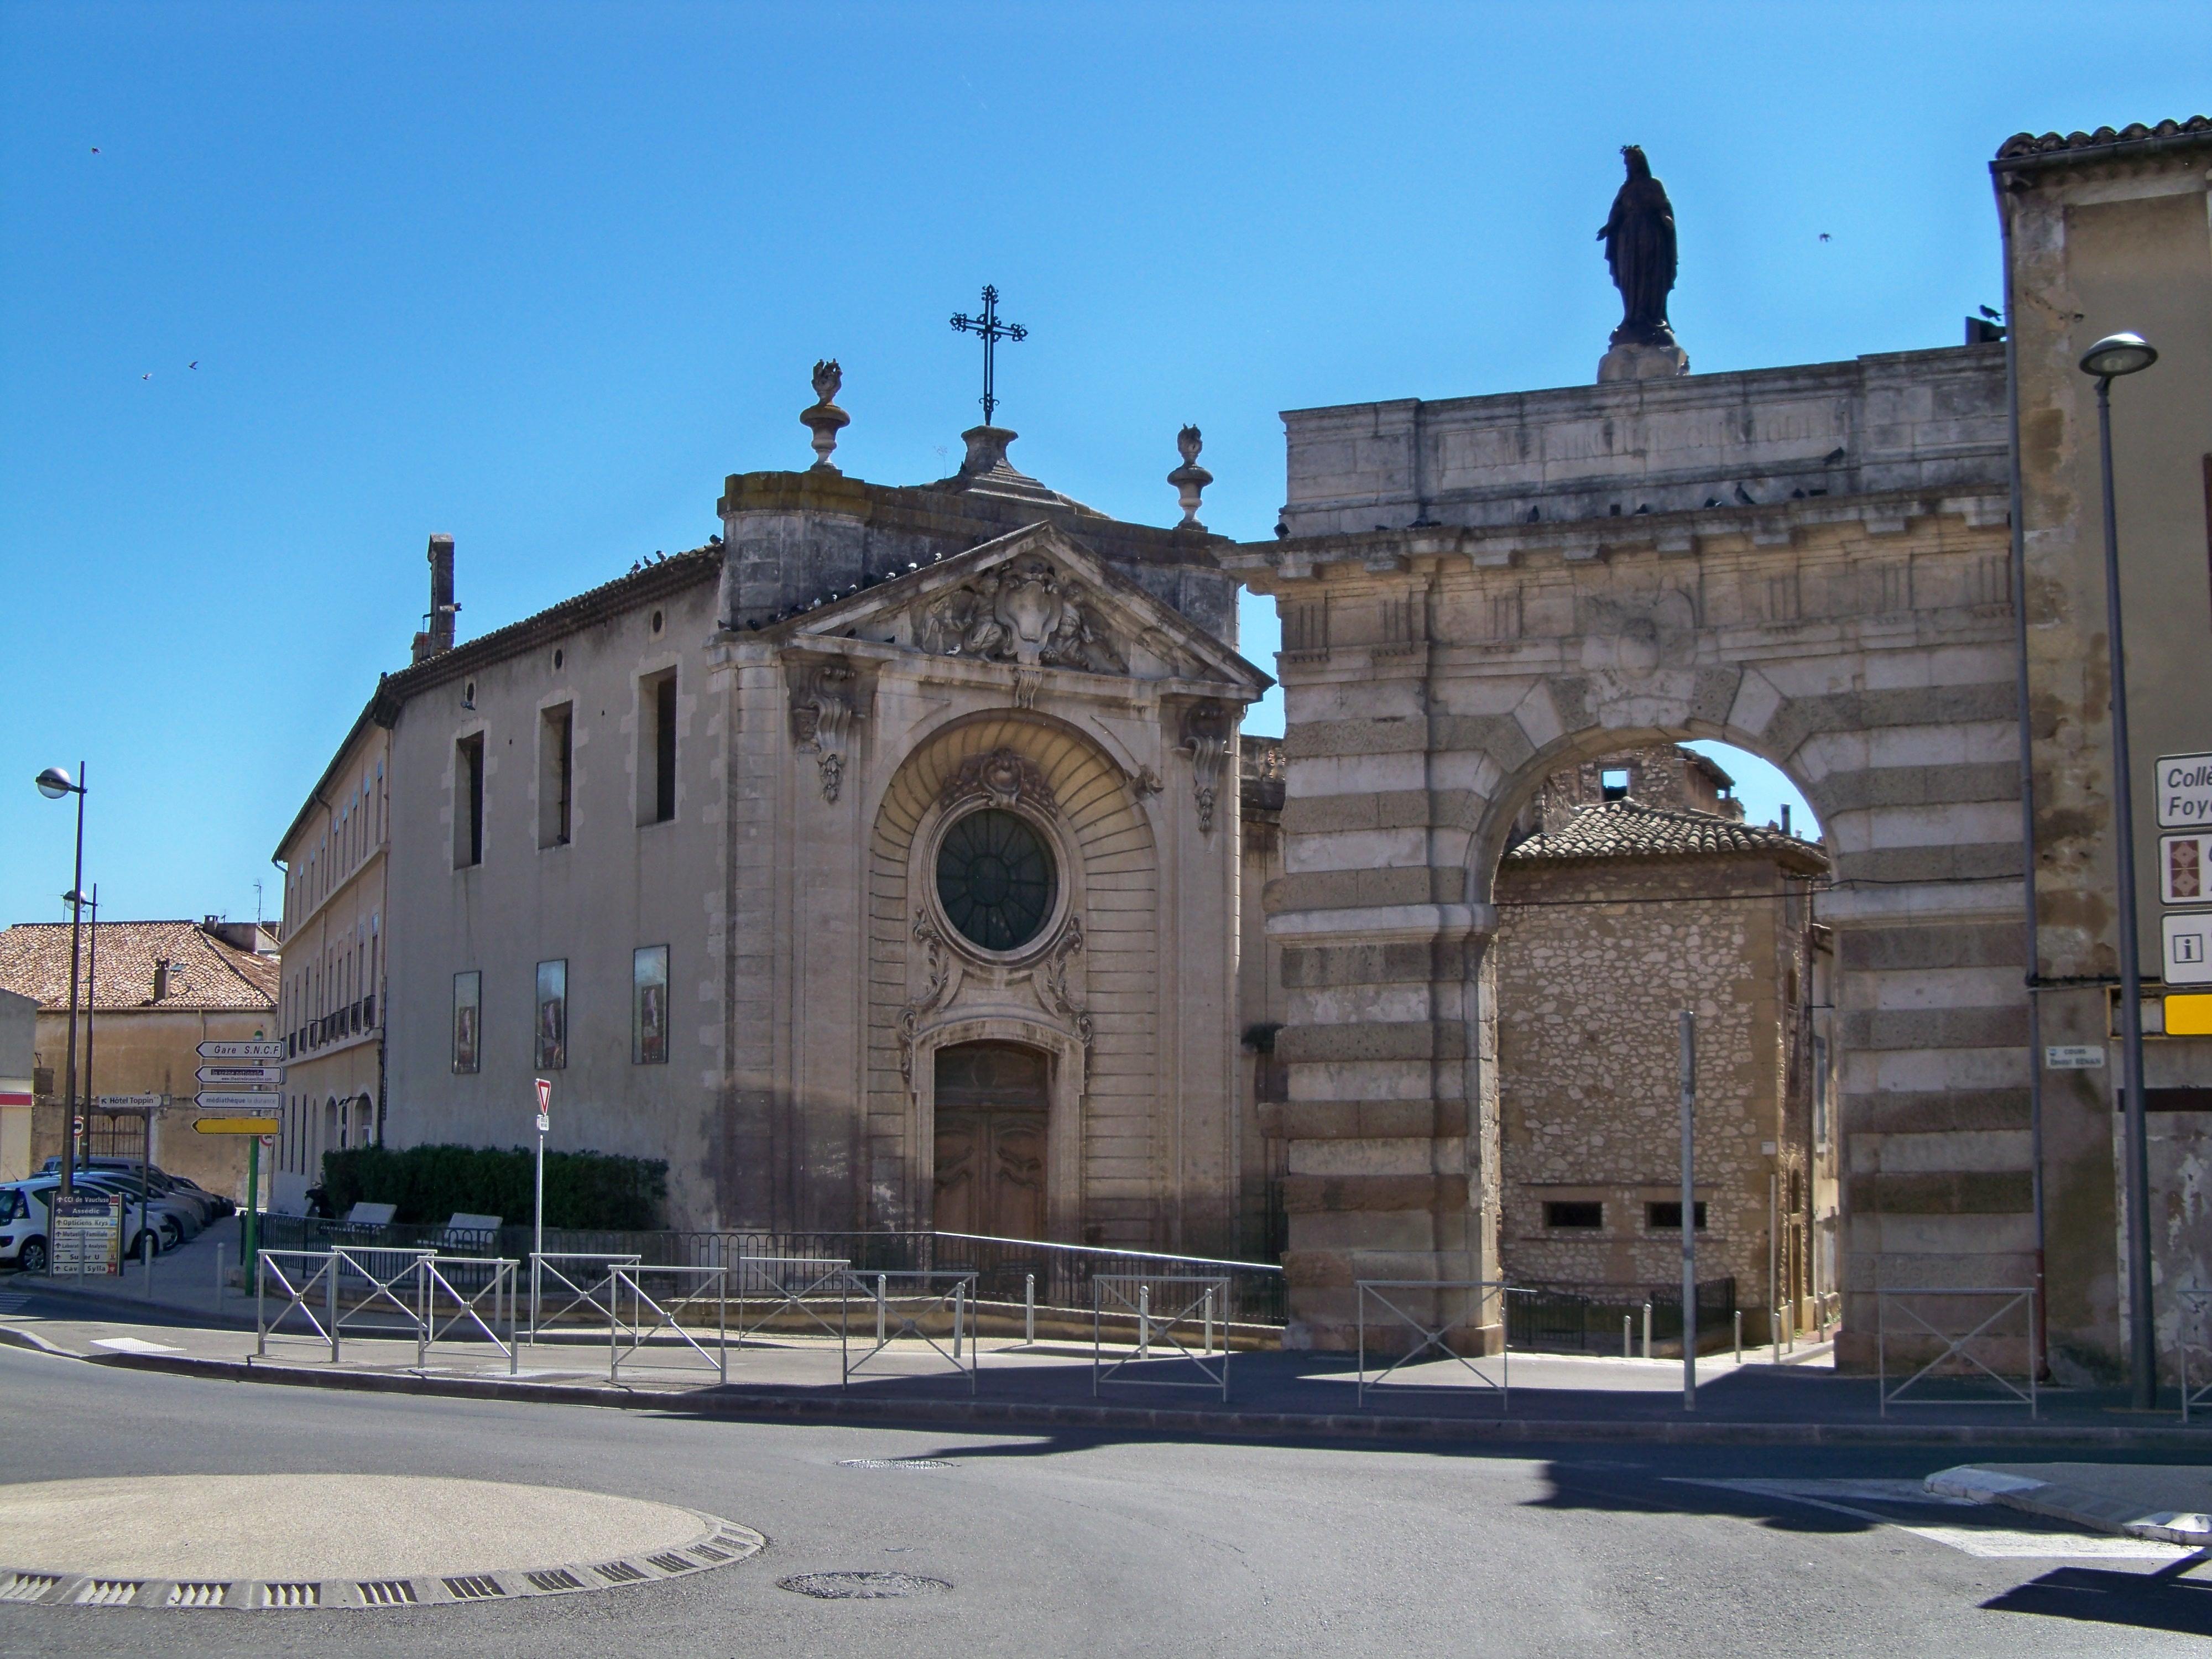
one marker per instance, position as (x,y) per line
(863,1586)
(108,1593)
(619,1572)
(28,1586)
(474,1587)
(292,1595)
(555,1580)
(892,1463)
(205,1594)
(385,1592)
(672,1563)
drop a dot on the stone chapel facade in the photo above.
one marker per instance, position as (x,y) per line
(876,864)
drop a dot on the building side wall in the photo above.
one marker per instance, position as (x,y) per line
(618,884)
(2097,246)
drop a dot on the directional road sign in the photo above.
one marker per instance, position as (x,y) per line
(247,1051)
(128,1103)
(234,1100)
(271,1075)
(2187,937)
(237,1126)
(2184,791)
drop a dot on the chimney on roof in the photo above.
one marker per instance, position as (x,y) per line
(160,977)
(438,637)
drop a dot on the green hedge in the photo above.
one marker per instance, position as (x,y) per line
(428,1184)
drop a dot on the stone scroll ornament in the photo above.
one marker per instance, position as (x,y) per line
(1639,248)
(822,718)
(1057,996)
(1205,738)
(1028,612)
(937,976)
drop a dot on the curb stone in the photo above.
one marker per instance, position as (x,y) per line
(2057,1501)
(1273,1425)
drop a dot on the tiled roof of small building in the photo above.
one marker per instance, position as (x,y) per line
(2022,144)
(205,973)
(1626,828)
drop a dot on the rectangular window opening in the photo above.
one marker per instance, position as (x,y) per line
(556,751)
(1614,782)
(1667,1217)
(664,749)
(1574,1213)
(468,801)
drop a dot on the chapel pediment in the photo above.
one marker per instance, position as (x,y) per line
(1034,598)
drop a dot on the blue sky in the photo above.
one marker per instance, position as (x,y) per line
(539,276)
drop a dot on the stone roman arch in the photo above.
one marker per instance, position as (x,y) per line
(1811,564)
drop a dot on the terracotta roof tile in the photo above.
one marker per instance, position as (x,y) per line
(2026,144)
(1627,829)
(205,972)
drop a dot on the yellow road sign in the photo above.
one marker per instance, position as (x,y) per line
(238,1125)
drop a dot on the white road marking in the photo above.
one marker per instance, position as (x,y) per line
(1990,1543)
(132,1344)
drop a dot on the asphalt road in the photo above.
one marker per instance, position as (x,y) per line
(1085,1545)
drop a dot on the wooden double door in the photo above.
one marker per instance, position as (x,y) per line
(992,1099)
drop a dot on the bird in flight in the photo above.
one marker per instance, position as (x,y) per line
(148,376)
(1824,236)
(95,149)
(195,363)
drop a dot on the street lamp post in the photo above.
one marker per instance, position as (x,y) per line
(2109,358)
(54,783)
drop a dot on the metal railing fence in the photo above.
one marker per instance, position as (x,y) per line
(1001,1267)
(667,1293)
(1464,1304)
(2196,1335)
(577,1280)
(1957,1358)
(913,1299)
(1585,1318)
(375,1292)
(1167,1307)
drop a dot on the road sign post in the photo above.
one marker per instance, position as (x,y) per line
(537,1217)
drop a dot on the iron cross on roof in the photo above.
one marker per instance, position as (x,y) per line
(992,331)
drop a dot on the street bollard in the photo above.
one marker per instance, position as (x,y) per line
(1647,1330)
(1144,1321)
(880,1283)
(1739,1336)
(1029,1311)
(1627,1342)
(1209,1319)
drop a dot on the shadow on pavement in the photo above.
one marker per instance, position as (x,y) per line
(2140,1601)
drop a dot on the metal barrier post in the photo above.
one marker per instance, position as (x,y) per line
(879,1309)
(330,1297)
(1739,1336)
(1209,1319)
(1647,1330)
(1627,1340)
(1029,1311)
(1144,1321)
(722,1316)
(218,1276)
(260,1324)
(614,1318)
(514,1347)
(958,1292)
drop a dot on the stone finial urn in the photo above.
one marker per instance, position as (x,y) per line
(1190,479)
(825,417)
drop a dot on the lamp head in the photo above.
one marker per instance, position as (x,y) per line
(54,783)
(2116,354)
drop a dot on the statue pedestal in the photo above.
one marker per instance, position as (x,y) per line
(1642,362)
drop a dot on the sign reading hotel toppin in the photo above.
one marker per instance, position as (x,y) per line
(2184,792)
